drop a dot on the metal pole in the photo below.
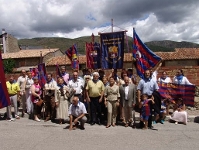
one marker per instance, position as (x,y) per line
(112,25)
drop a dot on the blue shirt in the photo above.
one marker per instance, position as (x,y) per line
(147,86)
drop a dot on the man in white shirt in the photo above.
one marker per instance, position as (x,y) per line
(77,85)
(50,89)
(77,111)
(21,81)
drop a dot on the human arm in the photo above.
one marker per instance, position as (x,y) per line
(139,96)
(33,92)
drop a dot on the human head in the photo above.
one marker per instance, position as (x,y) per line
(126,80)
(75,100)
(87,78)
(111,81)
(144,96)
(23,73)
(164,74)
(29,74)
(75,75)
(35,79)
(123,74)
(104,80)
(179,72)
(11,79)
(60,81)
(129,72)
(63,69)
(147,74)
(95,76)
(49,76)
(101,73)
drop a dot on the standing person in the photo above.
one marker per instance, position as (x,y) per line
(145,109)
(28,83)
(14,92)
(63,94)
(77,85)
(164,78)
(114,75)
(181,79)
(64,75)
(128,101)
(95,92)
(50,88)
(123,75)
(77,112)
(36,96)
(21,80)
(154,72)
(149,87)
(111,99)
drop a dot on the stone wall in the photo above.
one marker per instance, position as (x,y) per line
(191,72)
(11,44)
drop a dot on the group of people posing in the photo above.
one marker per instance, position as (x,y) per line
(94,98)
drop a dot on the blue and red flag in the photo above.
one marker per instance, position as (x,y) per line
(34,72)
(4,97)
(72,55)
(112,45)
(145,58)
(175,91)
(58,72)
(42,74)
(93,55)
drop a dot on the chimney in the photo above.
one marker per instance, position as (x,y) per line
(4,40)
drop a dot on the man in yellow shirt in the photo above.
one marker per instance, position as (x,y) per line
(13,91)
(95,92)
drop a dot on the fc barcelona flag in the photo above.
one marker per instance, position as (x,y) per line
(93,56)
(145,58)
(42,74)
(34,72)
(112,45)
(174,91)
(4,97)
(72,55)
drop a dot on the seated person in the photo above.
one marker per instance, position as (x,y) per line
(179,115)
(77,112)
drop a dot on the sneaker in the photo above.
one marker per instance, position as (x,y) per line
(11,119)
(17,117)
(154,122)
(162,121)
(36,119)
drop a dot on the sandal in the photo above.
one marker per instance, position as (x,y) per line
(108,126)
(126,125)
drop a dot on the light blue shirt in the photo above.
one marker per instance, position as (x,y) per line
(147,86)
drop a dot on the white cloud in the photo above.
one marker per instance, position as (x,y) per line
(155,20)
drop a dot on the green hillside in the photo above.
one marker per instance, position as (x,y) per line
(65,43)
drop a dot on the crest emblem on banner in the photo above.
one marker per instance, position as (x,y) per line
(113,52)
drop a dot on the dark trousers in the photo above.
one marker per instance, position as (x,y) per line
(50,107)
(95,108)
(37,109)
(155,108)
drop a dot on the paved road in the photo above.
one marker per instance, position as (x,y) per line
(25,134)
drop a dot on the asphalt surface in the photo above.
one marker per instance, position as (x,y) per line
(25,134)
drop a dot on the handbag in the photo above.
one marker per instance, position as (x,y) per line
(40,102)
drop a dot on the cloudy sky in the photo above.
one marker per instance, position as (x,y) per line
(176,20)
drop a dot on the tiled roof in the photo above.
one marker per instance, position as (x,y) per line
(28,53)
(180,53)
(62,60)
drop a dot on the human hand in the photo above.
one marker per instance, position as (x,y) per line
(100,100)
(88,99)
(76,120)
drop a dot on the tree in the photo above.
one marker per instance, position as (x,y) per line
(8,65)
